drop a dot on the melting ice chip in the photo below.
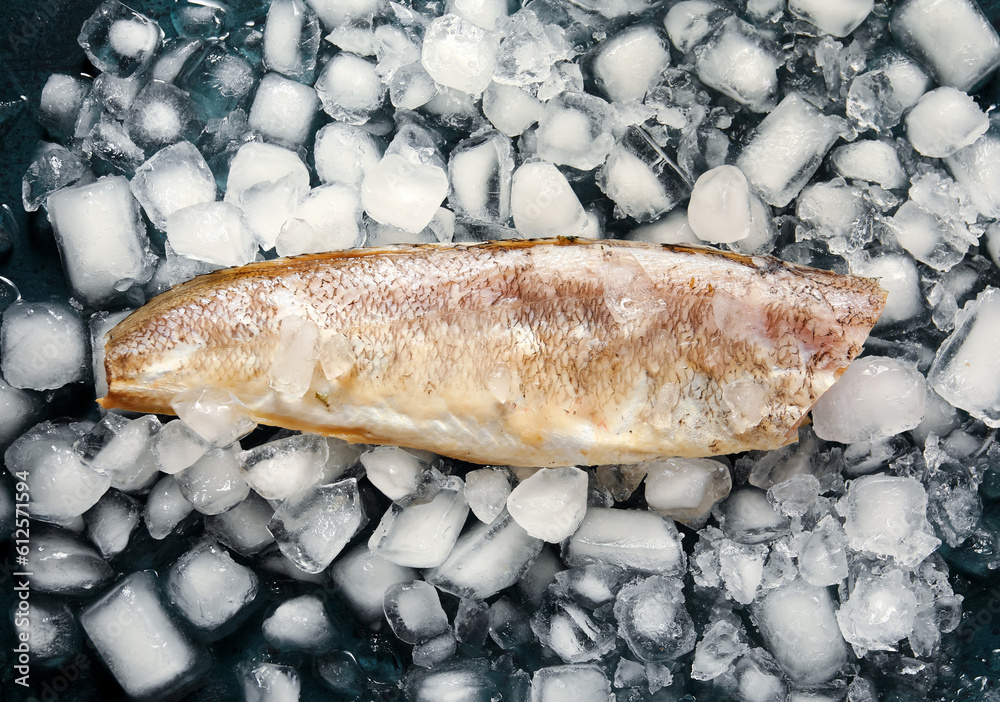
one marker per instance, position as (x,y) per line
(653,620)
(214,414)
(486,490)
(879,612)
(420,533)
(269,682)
(214,483)
(965,371)
(887,516)
(350,88)
(394,471)
(875,398)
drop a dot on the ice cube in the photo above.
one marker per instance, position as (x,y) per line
(838,19)
(161,114)
(898,275)
(122,450)
(551,504)
(257,163)
(327,218)
(879,611)
(575,130)
(350,88)
(740,63)
(641,179)
(963,372)
(134,633)
(209,588)
(420,532)
(875,398)
(279,469)
(165,508)
(340,13)
(510,109)
(592,585)
(686,488)
(61,103)
(944,121)
(218,79)
(283,110)
(172,58)
(742,568)
(312,527)
(62,486)
(480,170)
(747,517)
(112,521)
(344,153)
(581,682)
(394,471)
(403,193)
(54,167)
(786,149)
(939,242)
(486,490)
(300,624)
(110,149)
(887,515)
(269,682)
(362,578)
(486,559)
(955,41)
(177,447)
(974,167)
(823,554)
(836,213)
(214,414)
(721,645)
(414,612)
(118,40)
(101,239)
(214,483)
(873,160)
(627,64)
(653,620)
(61,564)
(543,202)
(464,679)
(569,631)
(892,84)
(244,527)
(52,632)
(719,210)
(690,22)
(19,410)
(43,346)
(800,630)
(759,678)
(628,538)
(458,54)
(291,40)
(175,177)
(212,232)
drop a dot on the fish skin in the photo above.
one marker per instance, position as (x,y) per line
(530,353)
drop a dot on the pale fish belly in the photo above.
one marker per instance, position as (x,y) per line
(532,353)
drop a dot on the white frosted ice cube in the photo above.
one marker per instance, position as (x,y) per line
(690,22)
(823,554)
(328,218)
(214,483)
(939,242)
(394,471)
(800,630)
(977,168)
(686,488)
(300,624)
(312,527)
(873,160)
(101,239)
(628,538)
(543,202)
(175,177)
(839,18)
(954,40)
(420,533)
(480,170)
(880,611)
(283,110)
(362,578)
(269,682)
(244,527)
(510,109)
(146,651)
(964,371)
(575,131)
(402,193)
(291,39)
(887,515)
(414,612)
(257,163)
(343,153)
(739,62)
(208,587)
(458,54)
(551,504)
(212,232)
(177,447)
(944,121)
(581,682)
(279,469)
(214,414)
(486,490)
(627,64)
(166,507)
(719,210)
(43,346)
(876,397)
(786,149)
(350,88)
(898,275)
